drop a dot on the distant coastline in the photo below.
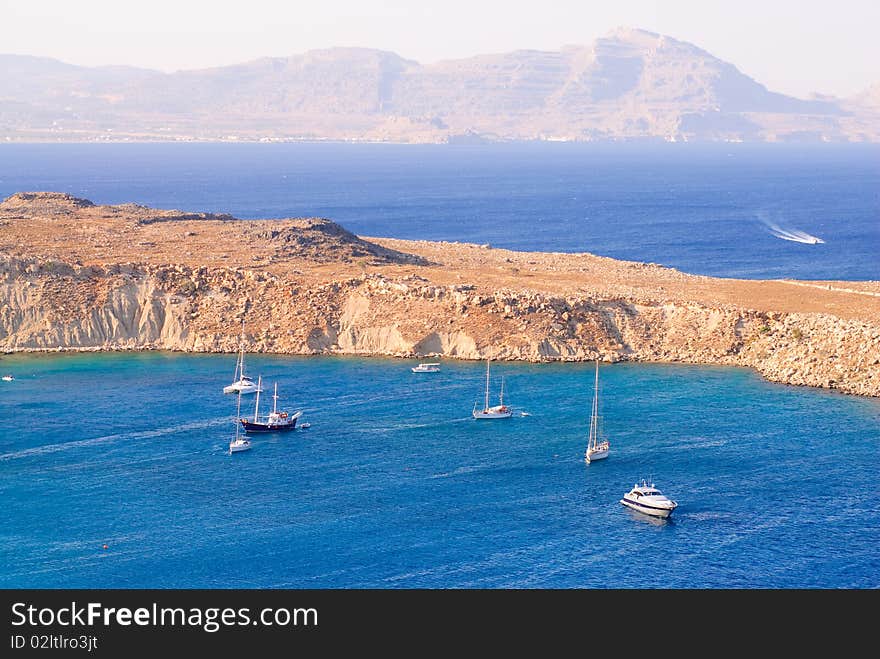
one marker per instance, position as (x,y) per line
(628,84)
(462,139)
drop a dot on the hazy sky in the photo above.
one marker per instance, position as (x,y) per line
(795,47)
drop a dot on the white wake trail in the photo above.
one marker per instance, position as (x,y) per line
(794,235)
(106,439)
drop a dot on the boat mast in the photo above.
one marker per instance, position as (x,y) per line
(238,359)
(486,405)
(274,399)
(241,357)
(501,395)
(594,413)
(238,415)
(257,406)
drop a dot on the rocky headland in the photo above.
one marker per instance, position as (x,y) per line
(79,276)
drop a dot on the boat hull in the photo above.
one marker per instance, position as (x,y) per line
(275,422)
(645,509)
(251,427)
(244,389)
(238,447)
(480,414)
(598,454)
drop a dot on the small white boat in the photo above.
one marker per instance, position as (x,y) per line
(499,411)
(239,443)
(8,378)
(426,368)
(649,500)
(596,449)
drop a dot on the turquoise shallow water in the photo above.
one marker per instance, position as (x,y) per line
(395,486)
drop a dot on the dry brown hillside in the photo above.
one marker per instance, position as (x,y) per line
(74,275)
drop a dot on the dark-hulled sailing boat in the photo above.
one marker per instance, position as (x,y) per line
(275,421)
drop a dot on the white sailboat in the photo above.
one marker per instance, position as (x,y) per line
(499,411)
(596,449)
(239,443)
(241,383)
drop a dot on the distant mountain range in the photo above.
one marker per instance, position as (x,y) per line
(628,85)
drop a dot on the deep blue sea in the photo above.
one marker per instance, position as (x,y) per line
(394,485)
(718,209)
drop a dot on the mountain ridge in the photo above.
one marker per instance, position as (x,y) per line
(630,84)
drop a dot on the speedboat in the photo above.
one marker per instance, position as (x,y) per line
(649,500)
(8,378)
(239,444)
(426,368)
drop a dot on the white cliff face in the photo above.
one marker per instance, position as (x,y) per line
(175,308)
(133,315)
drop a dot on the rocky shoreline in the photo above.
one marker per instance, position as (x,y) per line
(132,278)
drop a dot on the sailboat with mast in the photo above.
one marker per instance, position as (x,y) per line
(499,411)
(275,421)
(241,383)
(239,443)
(597,449)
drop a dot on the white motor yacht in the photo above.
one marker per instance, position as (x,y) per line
(426,368)
(647,499)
